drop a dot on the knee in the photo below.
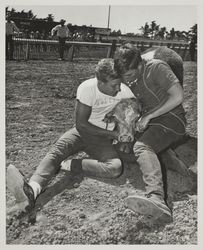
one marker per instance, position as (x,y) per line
(116,168)
(140,147)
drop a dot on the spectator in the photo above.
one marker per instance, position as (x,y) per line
(49,37)
(27,34)
(192,47)
(32,35)
(11,29)
(37,35)
(62,33)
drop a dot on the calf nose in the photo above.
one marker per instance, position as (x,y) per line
(126,138)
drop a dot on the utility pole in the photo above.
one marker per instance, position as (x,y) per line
(109,16)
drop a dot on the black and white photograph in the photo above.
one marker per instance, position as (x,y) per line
(101,134)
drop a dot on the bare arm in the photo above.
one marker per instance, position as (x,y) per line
(54,30)
(15,28)
(175,97)
(83,113)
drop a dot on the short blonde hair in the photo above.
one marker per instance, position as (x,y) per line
(106,68)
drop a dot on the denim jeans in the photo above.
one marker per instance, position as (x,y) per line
(150,143)
(104,160)
(9,42)
(62,41)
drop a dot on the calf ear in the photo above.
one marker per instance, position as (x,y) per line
(134,124)
(109,117)
(140,108)
(138,104)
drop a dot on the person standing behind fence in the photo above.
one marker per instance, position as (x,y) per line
(62,33)
(11,28)
(192,47)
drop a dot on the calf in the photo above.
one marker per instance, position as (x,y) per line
(125,115)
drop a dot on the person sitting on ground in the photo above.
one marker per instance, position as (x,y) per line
(162,123)
(95,98)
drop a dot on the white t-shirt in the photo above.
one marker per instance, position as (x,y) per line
(89,94)
(62,31)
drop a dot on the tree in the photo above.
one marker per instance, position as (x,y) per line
(145,30)
(130,34)
(153,29)
(162,32)
(50,18)
(178,34)
(31,15)
(172,33)
(7,10)
(192,33)
(157,28)
(116,33)
(193,29)
(13,11)
(23,14)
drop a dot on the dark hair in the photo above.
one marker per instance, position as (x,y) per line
(127,57)
(107,68)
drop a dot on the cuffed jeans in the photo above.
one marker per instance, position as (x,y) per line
(105,161)
(150,143)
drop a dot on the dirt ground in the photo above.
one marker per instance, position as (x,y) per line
(40,99)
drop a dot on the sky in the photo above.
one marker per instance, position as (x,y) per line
(127,18)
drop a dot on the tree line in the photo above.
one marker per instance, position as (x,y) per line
(154,31)
(148,31)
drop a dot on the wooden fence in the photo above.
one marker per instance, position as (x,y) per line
(25,49)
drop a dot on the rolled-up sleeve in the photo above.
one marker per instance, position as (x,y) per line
(84,95)
(164,76)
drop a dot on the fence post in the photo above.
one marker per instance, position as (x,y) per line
(111,50)
(179,49)
(27,51)
(185,52)
(71,53)
(18,51)
(142,46)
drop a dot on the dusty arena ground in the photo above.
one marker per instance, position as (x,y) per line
(40,98)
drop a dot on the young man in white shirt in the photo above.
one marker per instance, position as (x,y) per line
(62,33)
(95,98)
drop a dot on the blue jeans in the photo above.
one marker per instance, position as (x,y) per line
(104,160)
(150,143)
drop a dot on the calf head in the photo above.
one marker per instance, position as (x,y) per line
(125,115)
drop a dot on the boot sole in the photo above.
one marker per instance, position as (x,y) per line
(15,183)
(146,207)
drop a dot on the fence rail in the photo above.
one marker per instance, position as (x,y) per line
(25,49)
